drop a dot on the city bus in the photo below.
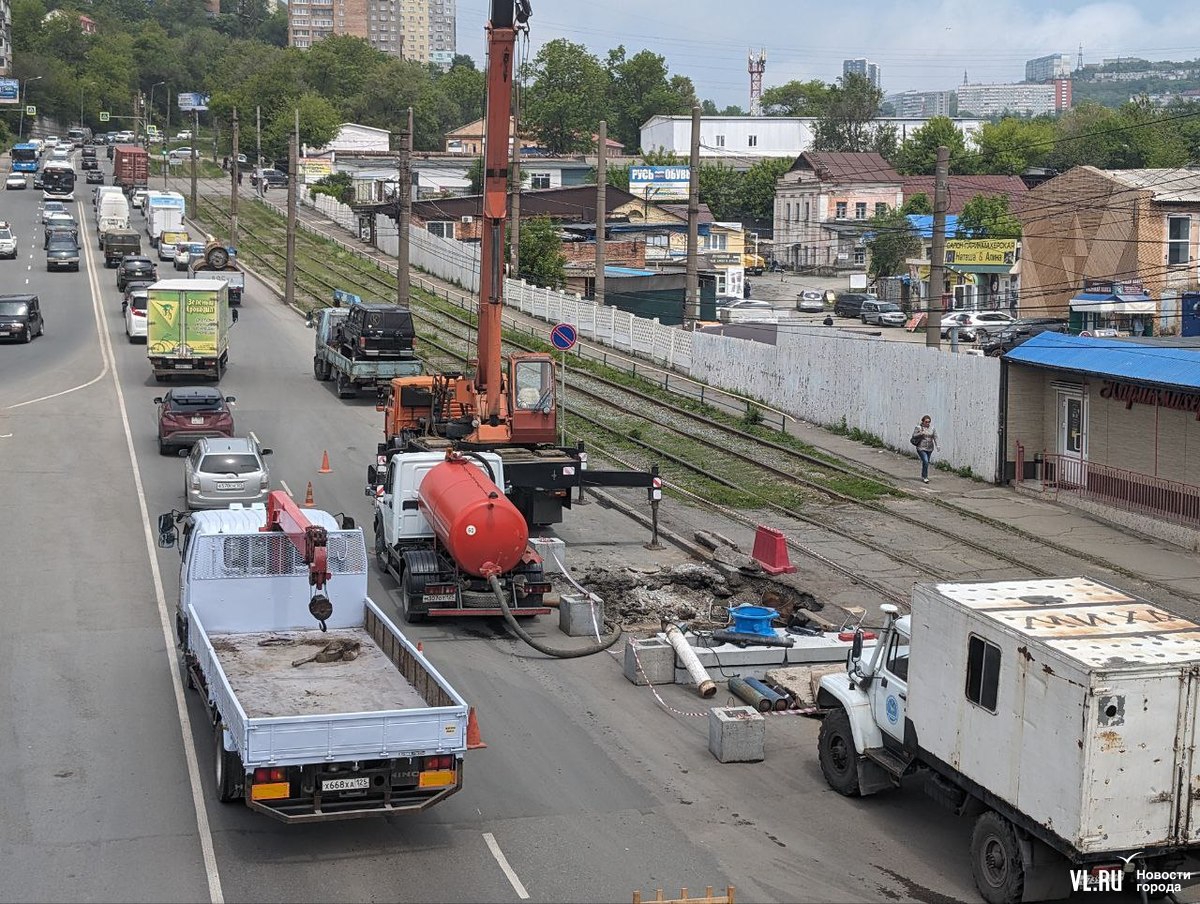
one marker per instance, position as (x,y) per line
(58,181)
(25,158)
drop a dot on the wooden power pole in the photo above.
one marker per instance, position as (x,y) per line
(404,212)
(601,208)
(692,309)
(195,154)
(937,254)
(289,273)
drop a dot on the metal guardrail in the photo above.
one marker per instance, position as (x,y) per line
(1169,500)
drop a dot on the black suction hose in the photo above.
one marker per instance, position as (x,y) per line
(574,653)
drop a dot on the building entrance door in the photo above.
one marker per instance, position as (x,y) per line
(1072,437)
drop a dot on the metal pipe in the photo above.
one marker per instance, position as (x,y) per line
(705,686)
(778,700)
(743,691)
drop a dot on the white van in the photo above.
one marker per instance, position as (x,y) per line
(112,212)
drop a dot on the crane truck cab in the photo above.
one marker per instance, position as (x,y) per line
(443,527)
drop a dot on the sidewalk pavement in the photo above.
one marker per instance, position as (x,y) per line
(1071,529)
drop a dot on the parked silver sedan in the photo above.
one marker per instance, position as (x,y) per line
(220,471)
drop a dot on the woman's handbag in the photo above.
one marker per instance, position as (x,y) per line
(916,439)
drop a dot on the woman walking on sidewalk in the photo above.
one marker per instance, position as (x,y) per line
(925,439)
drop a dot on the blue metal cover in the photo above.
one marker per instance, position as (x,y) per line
(1112,358)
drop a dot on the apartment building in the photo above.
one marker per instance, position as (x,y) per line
(920,104)
(865,68)
(5,37)
(412,29)
(1048,68)
(986,101)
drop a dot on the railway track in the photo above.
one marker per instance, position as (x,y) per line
(781,469)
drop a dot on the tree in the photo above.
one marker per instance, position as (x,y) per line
(542,260)
(567,96)
(797,98)
(641,89)
(319,123)
(988,216)
(1086,135)
(890,242)
(465,86)
(721,190)
(845,123)
(918,204)
(918,155)
(339,186)
(1011,146)
(758,189)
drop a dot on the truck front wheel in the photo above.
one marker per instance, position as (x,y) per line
(227,768)
(836,751)
(996,860)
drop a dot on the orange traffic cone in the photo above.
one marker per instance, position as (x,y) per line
(325,469)
(474,741)
(308,497)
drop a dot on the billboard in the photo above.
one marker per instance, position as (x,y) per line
(441,57)
(192,101)
(660,183)
(10,91)
(981,252)
(314,168)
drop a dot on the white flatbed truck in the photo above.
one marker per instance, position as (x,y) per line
(374,731)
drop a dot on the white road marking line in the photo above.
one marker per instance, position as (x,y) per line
(254,439)
(503,861)
(286,488)
(207,849)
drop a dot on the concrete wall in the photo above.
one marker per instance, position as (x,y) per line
(879,387)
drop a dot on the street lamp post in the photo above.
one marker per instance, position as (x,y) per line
(150,109)
(24,86)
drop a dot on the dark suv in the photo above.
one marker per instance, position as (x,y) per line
(272,178)
(849,304)
(21,317)
(997,343)
(135,268)
(377,331)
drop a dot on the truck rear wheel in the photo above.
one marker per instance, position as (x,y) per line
(996,861)
(406,610)
(836,751)
(227,768)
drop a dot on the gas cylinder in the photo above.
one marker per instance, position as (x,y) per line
(483,532)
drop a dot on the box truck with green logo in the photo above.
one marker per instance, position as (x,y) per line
(188,323)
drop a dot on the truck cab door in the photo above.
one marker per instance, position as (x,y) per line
(889,689)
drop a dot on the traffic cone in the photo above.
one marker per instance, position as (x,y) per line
(308,497)
(325,469)
(474,741)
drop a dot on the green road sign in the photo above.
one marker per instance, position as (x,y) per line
(30,110)
(104,116)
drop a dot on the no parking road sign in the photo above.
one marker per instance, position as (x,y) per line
(563,337)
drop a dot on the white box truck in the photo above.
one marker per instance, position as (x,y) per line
(112,213)
(164,213)
(1061,714)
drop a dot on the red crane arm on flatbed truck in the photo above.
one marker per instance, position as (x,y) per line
(310,540)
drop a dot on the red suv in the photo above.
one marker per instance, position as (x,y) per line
(187,413)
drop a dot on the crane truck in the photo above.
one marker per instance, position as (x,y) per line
(1060,714)
(321,709)
(508,405)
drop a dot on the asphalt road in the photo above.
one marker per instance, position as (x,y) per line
(588,789)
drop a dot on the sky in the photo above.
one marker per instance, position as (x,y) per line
(923,46)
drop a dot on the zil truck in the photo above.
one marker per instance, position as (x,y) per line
(187,328)
(218,262)
(361,345)
(320,708)
(1061,715)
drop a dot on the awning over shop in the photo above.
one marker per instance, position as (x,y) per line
(1109,304)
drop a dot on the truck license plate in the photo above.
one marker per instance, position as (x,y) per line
(346,784)
(228,486)
(183,367)
(439,598)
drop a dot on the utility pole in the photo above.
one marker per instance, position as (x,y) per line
(601,208)
(234,172)
(258,147)
(166,132)
(691,314)
(514,217)
(196,146)
(937,255)
(404,211)
(289,273)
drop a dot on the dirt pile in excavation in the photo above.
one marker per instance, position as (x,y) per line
(689,592)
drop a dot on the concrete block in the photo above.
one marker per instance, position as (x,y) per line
(657,659)
(549,548)
(736,734)
(575,615)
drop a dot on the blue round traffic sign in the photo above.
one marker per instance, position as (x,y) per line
(563,337)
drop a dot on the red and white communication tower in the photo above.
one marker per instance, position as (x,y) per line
(758,63)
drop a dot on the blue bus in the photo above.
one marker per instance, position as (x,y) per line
(25,158)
